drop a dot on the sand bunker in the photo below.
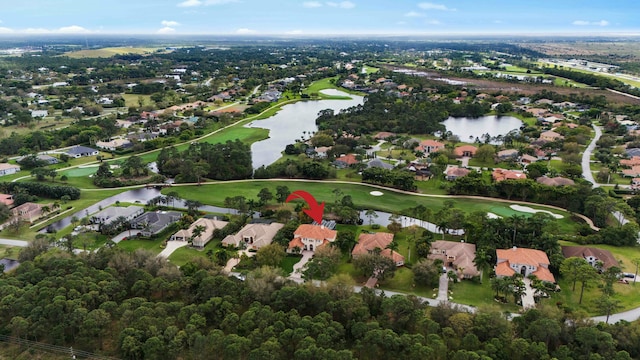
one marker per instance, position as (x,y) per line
(533,211)
(491,215)
(376,193)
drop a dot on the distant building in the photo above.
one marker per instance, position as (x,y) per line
(115,144)
(429,146)
(593,256)
(8,169)
(452,173)
(555,181)
(79,151)
(502,174)
(28,211)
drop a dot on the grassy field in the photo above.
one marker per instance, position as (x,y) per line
(326,83)
(215,193)
(109,52)
(132,100)
(370,69)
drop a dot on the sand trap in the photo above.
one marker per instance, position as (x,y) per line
(376,193)
(491,215)
(533,211)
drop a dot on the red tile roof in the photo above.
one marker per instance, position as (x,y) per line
(348,159)
(460,150)
(501,174)
(316,232)
(368,242)
(522,256)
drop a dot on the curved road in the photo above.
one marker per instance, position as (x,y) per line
(586,157)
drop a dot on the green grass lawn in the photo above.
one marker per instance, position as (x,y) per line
(288,261)
(492,164)
(185,254)
(132,100)
(133,244)
(215,193)
(370,69)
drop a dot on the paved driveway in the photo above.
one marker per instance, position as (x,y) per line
(586,157)
(171,247)
(443,288)
(527,299)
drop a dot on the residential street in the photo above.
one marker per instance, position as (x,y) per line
(586,157)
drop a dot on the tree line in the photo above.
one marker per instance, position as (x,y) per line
(135,306)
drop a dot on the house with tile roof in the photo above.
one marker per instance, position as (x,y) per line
(523,261)
(452,173)
(555,181)
(465,151)
(550,135)
(429,146)
(593,256)
(309,237)
(345,161)
(456,255)
(634,161)
(29,211)
(201,240)
(507,154)
(253,236)
(502,174)
(368,243)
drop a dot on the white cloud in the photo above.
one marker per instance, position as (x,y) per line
(434,6)
(312,4)
(294,32)
(342,5)
(167,30)
(5,30)
(219,2)
(190,3)
(592,23)
(73,29)
(433,22)
(245,31)
(169,23)
(414,14)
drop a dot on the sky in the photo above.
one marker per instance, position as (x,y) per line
(317,17)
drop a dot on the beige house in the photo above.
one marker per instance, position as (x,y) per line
(28,211)
(367,243)
(253,236)
(210,225)
(456,255)
(309,237)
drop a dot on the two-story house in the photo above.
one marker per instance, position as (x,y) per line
(309,237)
(523,261)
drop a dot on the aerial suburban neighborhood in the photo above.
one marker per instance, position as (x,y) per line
(192,194)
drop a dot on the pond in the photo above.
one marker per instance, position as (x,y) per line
(468,129)
(293,122)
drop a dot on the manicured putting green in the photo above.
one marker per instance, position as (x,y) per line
(79,172)
(506,212)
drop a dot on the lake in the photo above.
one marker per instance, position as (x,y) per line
(292,122)
(467,129)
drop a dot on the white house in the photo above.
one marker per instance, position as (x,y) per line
(8,169)
(80,151)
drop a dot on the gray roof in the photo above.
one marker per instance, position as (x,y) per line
(156,221)
(379,163)
(77,150)
(113,212)
(633,151)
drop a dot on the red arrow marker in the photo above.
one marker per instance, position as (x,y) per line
(315,210)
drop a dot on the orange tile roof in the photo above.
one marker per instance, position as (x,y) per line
(501,174)
(544,274)
(6,199)
(635,160)
(296,242)
(393,255)
(317,232)
(368,242)
(460,150)
(503,269)
(523,256)
(348,159)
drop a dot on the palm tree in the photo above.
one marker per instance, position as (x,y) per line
(197,231)
(482,262)
(371,214)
